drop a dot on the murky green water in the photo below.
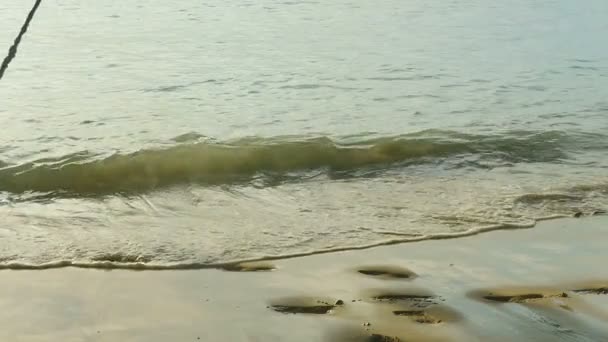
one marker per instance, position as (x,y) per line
(200,132)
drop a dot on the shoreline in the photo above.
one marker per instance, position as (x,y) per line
(145,266)
(543,284)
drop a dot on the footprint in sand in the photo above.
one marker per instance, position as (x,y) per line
(305,305)
(418,298)
(556,307)
(526,296)
(249,267)
(521,298)
(535,295)
(419,316)
(355,335)
(432,315)
(418,305)
(387,272)
(602,290)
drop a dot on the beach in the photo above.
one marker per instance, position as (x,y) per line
(548,283)
(208,132)
(331,171)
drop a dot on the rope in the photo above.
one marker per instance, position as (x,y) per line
(12,52)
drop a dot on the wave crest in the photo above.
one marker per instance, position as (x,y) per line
(221,163)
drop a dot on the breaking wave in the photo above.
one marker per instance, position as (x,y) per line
(208,163)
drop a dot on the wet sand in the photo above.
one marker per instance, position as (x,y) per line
(549,283)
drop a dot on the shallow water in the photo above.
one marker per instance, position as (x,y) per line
(203,132)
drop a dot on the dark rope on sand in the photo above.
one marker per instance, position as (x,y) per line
(12,52)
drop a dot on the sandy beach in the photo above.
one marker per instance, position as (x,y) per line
(307,171)
(548,283)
